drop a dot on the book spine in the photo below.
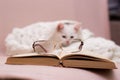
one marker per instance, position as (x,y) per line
(61,63)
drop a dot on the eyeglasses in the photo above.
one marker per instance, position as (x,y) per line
(79,47)
(38,43)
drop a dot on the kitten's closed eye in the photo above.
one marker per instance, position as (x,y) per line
(64,36)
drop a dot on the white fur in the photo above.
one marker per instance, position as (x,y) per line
(69,31)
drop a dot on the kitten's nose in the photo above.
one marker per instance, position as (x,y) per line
(67,42)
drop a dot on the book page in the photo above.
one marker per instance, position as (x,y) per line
(67,50)
(85,54)
(25,54)
(62,54)
(34,54)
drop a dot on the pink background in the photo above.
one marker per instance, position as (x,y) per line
(18,13)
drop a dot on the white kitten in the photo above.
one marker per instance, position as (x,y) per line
(64,34)
(68,32)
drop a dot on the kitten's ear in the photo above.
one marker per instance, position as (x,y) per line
(77,27)
(60,27)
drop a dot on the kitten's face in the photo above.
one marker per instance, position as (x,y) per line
(68,33)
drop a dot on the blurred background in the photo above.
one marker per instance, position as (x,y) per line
(99,16)
(114,17)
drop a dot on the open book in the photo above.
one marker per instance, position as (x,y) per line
(77,60)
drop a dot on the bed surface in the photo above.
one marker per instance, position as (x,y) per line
(34,72)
